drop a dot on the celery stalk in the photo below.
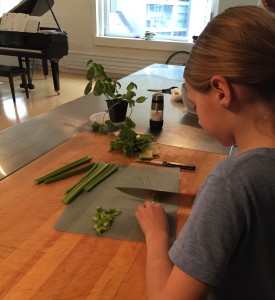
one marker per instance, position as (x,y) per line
(68,174)
(86,175)
(103,175)
(79,188)
(63,169)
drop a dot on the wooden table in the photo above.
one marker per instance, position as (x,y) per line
(37,262)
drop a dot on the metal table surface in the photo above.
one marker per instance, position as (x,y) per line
(22,143)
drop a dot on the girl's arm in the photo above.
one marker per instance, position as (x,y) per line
(164,280)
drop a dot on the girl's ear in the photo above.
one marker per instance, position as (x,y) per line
(222,91)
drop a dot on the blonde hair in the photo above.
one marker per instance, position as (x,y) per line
(238,44)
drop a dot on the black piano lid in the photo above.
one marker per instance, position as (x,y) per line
(33,7)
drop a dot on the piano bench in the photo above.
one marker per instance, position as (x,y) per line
(12,71)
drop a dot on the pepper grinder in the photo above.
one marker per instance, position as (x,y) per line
(156,119)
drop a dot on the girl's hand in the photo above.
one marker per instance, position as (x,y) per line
(152,219)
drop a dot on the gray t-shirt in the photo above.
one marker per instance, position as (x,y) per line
(228,241)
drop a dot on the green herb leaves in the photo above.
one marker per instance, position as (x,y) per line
(109,126)
(100,84)
(130,143)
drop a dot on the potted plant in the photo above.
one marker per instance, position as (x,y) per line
(99,83)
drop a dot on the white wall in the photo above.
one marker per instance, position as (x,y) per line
(223,4)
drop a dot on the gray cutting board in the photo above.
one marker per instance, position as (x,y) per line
(77,216)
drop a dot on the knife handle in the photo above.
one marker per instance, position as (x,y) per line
(181,166)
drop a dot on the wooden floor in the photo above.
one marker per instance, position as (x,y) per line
(42,99)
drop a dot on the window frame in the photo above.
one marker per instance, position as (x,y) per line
(137,43)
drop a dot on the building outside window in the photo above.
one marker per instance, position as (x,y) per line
(167,19)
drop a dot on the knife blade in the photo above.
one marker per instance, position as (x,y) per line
(179,199)
(168,164)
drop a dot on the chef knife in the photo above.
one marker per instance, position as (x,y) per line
(168,164)
(174,198)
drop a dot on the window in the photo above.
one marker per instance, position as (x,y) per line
(167,19)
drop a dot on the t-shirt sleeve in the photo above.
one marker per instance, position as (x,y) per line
(211,233)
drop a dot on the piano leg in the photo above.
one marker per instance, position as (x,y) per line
(45,67)
(29,77)
(55,73)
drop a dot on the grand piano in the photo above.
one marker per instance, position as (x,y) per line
(48,44)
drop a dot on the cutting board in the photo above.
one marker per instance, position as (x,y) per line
(77,216)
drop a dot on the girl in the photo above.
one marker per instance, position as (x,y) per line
(226,249)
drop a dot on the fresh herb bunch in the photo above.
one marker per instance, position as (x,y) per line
(130,143)
(127,141)
(109,126)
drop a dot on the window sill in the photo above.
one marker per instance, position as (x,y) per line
(142,44)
